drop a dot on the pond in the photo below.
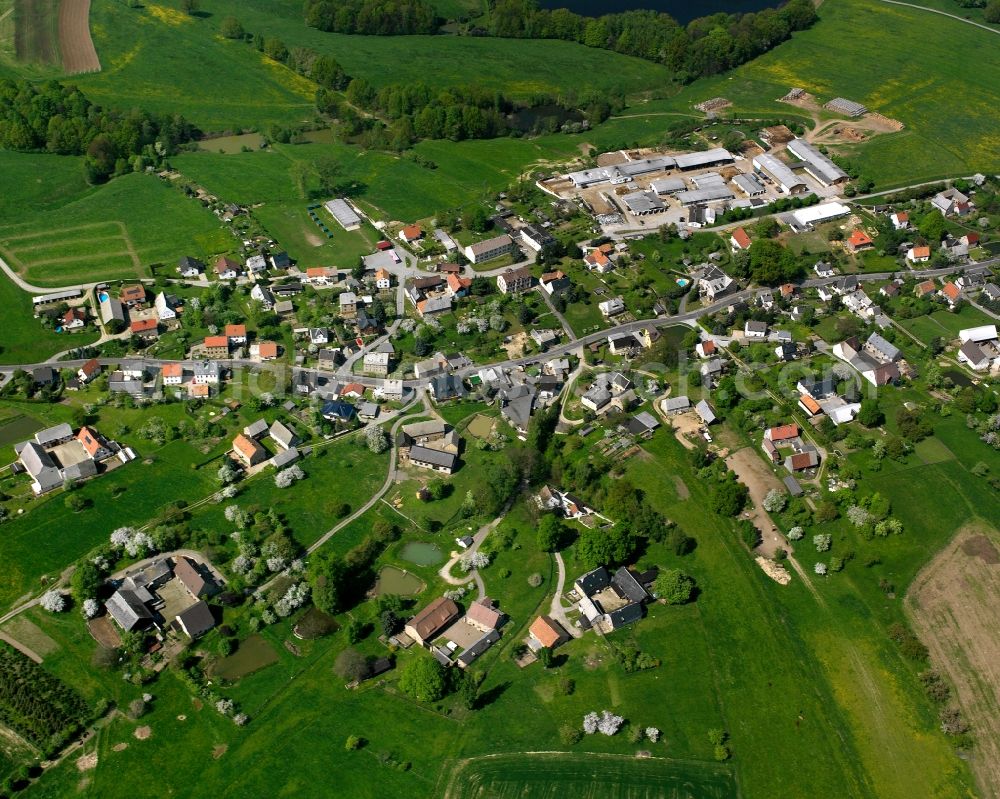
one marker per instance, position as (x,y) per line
(254,654)
(18,429)
(422,553)
(958,378)
(396,581)
(681,10)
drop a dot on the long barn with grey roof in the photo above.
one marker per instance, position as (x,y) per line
(817,164)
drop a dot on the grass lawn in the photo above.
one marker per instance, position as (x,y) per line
(105,233)
(945,324)
(24,338)
(587,776)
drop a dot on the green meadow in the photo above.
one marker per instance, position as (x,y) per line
(56,231)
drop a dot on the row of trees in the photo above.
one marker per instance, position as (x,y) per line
(707,46)
(60,119)
(372,17)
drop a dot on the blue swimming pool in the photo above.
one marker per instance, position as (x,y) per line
(103,296)
(682,281)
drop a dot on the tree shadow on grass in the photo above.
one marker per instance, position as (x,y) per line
(487,698)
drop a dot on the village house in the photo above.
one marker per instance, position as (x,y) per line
(739,240)
(489,249)
(133,295)
(713,283)
(705,349)
(166,306)
(515,281)
(264,350)
(411,233)
(554,282)
(900,220)
(236,334)
(190,267)
(383,279)
(376,363)
(263,295)
(430,622)
(206,373)
(90,370)
(598,262)
(248,450)
(216,347)
(609,602)
(227,269)
(859,241)
(348,304)
(546,633)
(612,307)
(951,293)
(144,328)
(755,330)
(173,374)
(256,264)
(74,319)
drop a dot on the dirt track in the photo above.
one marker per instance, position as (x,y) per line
(75,43)
(954,604)
(751,470)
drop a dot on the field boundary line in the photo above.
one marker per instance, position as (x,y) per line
(943,14)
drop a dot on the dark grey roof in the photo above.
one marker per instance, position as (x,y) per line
(40,466)
(432,456)
(626,615)
(447,387)
(255,429)
(197,619)
(626,584)
(126,609)
(51,435)
(77,471)
(478,648)
(593,581)
(280,433)
(43,375)
(285,457)
(793,486)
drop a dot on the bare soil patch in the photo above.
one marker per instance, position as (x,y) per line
(142,733)
(754,474)
(119,747)
(103,631)
(219,750)
(954,605)
(686,427)
(86,762)
(683,492)
(979,546)
(75,44)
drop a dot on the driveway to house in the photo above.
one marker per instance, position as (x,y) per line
(390,478)
(562,319)
(556,609)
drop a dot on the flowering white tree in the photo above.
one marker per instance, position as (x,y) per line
(296,566)
(858,516)
(653,734)
(241,564)
(267,616)
(822,542)
(90,608)
(226,473)
(796,533)
(377,439)
(775,501)
(275,563)
(455,594)
(139,545)
(236,515)
(286,477)
(609,723)
(474,560)
(225,706)
(53,601)
(294,598)
(121,536)
(228,492)
(820,568)
(240,719)
(590,722)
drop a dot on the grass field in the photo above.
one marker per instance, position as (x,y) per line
(101,233)
(146,60)
(944,324)
(537,776)
(24,340)
(36,31)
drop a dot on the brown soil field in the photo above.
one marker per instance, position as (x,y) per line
(954,605)
(751,470)
(75,44)
(36,31)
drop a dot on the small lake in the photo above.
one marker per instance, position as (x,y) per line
(396,581)
(19,429)
(958,378)
(421,553)
(254,654)
(681,10)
